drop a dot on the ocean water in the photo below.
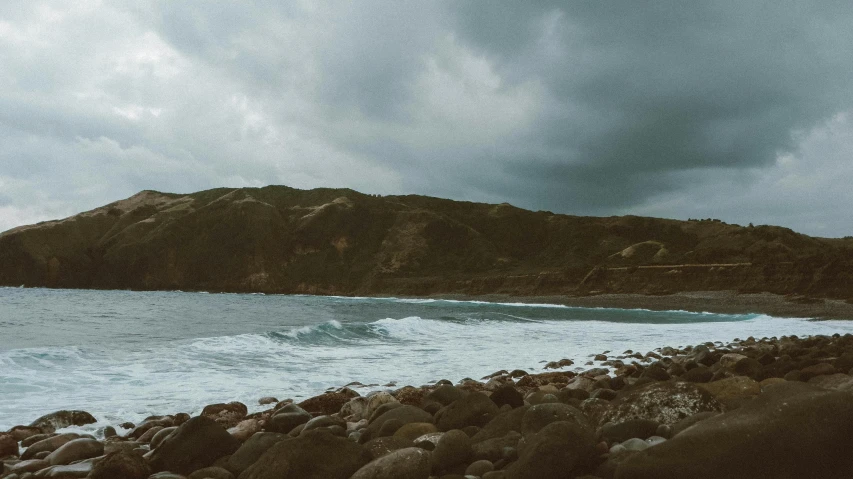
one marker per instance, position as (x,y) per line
(125,355)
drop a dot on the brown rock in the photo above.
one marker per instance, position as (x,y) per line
(121,464)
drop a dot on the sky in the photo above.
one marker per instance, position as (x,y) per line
(738,110)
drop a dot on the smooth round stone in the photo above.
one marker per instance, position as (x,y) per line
(410,462)
(414,430)
(211,473)
(635,444)
(453,448)
(75,450)
(478,468)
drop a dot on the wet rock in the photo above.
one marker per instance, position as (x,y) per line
(324,422)
(195,444)
(328,403)
(454,447)
(560,450)
(8,445)
(315,455)
(683,424)
(414,430)
(664,402)
(402,414)
(750,368)
(157,421)
(502,424)
(475,409)
(820,369)
(149,434)
(381,446)
(812,423)
(479,468)
(252,449)
(61,419)
(30,465)
(700,374)
(540,415)
(410,462)
(121,464)
(507,394)
(493,449)
(21,433)
(267,400)
(49,444)
(287,418)
(211,473)
(69,471)
(75,450)
(838,381)
(160,436)
(733,388)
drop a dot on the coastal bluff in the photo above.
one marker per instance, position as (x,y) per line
(278,239)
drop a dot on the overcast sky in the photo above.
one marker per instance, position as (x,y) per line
(736,110)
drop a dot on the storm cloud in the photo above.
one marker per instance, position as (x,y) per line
(733,110)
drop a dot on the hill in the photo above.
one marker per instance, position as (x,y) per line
(338,241)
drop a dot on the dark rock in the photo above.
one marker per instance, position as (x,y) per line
(21,433)
(121,464)
(48,444)
(252,449)
(324,421)
(475,409)
(622,431)
(820,369)
(212,472)
(286,421)
(605,394)
(402,414)
(444,395)
(560,450)
(655,371)
(226,414)
(60,419)
(540,415)
(493,449)
(479,468)
(149,434)
(699,374)
(8,445)
(749,367)
(328,403)
(315,455)
(790,430)
(159,421)
(160,436)
(381,446)
(664,402)
(75,450)
(683,424)
(452,448)
(502,424)
(507,395)
(195,444)
(410,462)
(30,465)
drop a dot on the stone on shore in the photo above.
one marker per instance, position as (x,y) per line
(195,444)
(61,419)
(121,464)
(252,449)
(8,445)
(49,444)
(317,454)
(475,409)
(664,402)
(560,450)
(75,450)
(408,463)
(790,430)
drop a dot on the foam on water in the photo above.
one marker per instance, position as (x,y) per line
(300,346)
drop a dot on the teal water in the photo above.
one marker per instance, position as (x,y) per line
(125,355)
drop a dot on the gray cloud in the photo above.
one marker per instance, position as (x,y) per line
(658,108)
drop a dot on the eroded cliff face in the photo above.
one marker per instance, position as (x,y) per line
(335,241)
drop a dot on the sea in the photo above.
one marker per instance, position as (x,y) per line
(125,355)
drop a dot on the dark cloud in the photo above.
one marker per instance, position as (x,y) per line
(667,108)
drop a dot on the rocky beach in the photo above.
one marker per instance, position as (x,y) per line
(768,407)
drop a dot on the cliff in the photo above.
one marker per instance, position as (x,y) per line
(337,241)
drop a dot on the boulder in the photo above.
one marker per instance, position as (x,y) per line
(502,424)
(252,449)
(664,402)
(454,447)
(561,450)
(409,463)
(507,394)
(493,449)
(622,431)
(123,464)
(49,444)
(402,414)
(61,419)
(8,445)
(195,444)
(75,450)
(328,403)
(541,415)
(161,436)
(23,432)
(475,409)
(733,388)
(414,430)
(791,430)
(287,418)
(317,454)
(838,381)
(381,446)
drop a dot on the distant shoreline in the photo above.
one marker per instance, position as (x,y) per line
(720,302)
